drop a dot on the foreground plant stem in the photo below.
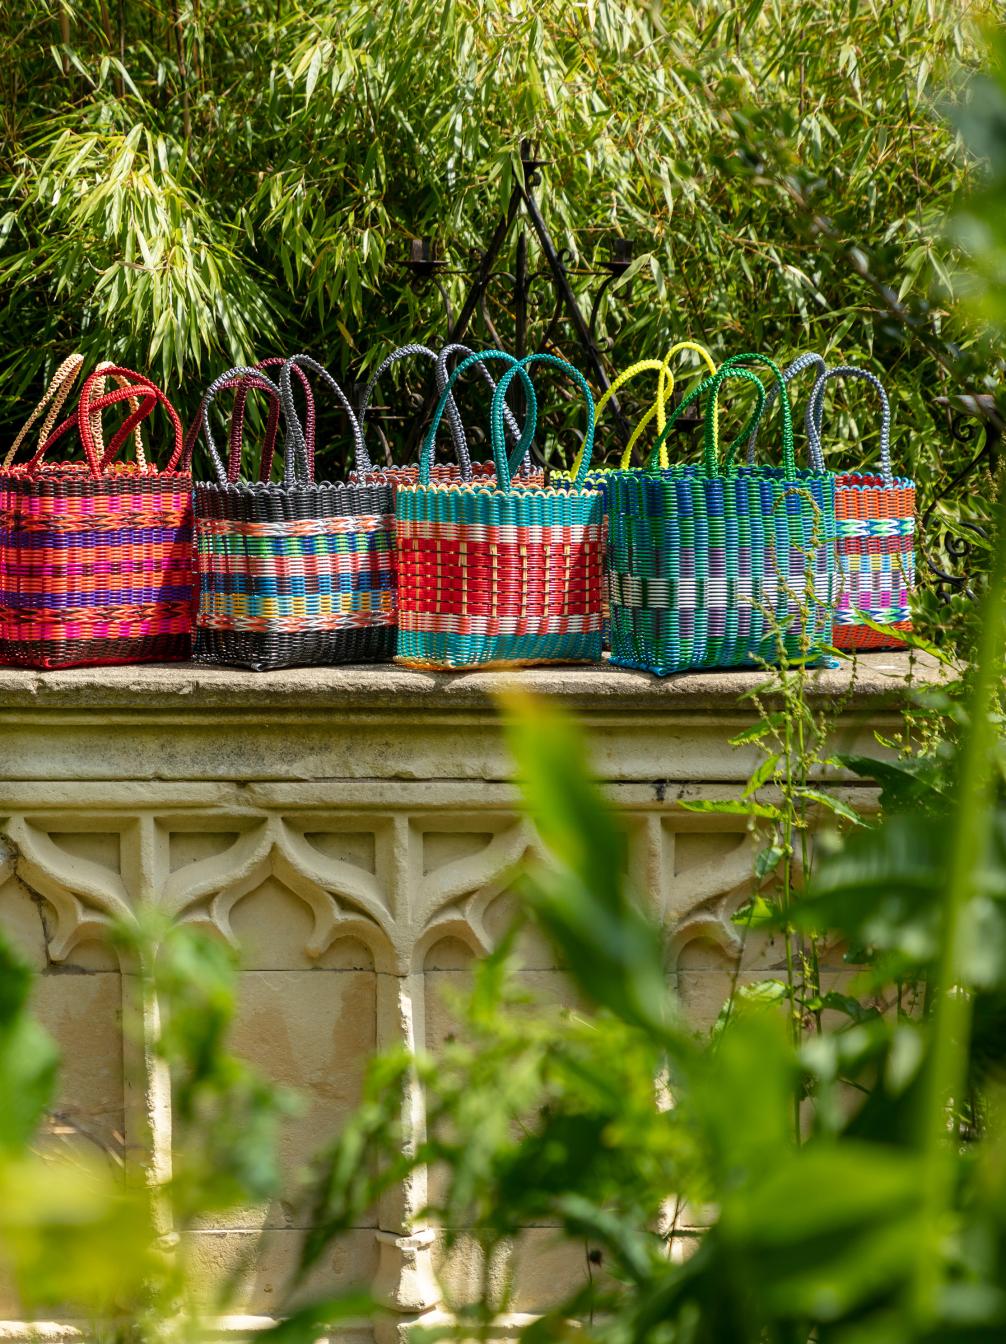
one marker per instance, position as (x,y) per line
(951,999)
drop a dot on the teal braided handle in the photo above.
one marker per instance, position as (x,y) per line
(710,387)
(530,421)
(499,401)
(788,441)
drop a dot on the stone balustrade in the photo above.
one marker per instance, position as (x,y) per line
(355,832)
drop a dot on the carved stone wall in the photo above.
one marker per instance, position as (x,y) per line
(352,832)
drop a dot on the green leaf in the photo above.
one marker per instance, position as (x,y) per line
(833,804)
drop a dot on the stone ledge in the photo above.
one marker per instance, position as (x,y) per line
(874,679)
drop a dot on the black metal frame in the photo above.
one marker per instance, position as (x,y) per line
(967,417)
(427,267)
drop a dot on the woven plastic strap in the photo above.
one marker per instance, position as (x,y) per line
(815,413)
(298,467)
(232,378)
(665,389)
(454,415)
(91,405)
(53,397)
(254,380)
(530,423)
(236,445)
(710,389)
(106,454)
(788,442)
(496,420)
(808,360)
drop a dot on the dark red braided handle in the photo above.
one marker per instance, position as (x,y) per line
(244,384)
(87,407)
(236,442)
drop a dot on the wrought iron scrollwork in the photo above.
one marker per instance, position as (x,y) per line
(948,560)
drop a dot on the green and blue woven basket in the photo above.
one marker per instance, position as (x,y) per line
(717,565)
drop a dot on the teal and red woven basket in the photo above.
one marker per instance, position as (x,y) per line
(500,573)
(717,565)
(293,573)
(96,557)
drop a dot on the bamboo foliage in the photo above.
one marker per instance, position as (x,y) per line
(191,184)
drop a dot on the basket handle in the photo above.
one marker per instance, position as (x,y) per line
(815,414)
(91,406)
(105,367)
(366,464)
(139,411)
(809,359)
(60,385)
(710,389)
(236,441)
(665,388)
(530,423)
(454,415)
(298,467)
(496,419)
(788,441)
(240,375)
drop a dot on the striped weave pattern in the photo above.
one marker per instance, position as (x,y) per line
(297,573)
(718,571)
(717,566)
(876,547)
(486,577)
(509,575)
(876,533)
(96,568)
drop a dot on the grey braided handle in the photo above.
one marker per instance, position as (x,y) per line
(454,415)
(407,352)
(815,413)
(298,469)
(256,379)
(809,359)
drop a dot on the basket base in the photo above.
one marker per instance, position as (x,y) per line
(50,654)
(268,652)
(866,639)
(421,666)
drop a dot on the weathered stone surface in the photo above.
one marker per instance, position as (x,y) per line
(354,832)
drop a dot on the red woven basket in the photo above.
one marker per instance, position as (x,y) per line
(96,557)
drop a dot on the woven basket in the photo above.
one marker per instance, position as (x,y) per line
(718,566)
(297,573)
(876,533)
(96,563)
(463,468)
(504,575)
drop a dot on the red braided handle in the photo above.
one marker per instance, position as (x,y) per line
(89,406)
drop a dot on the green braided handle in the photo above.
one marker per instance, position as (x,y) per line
(788,442)
(530,421)
(499,400)
(710,388)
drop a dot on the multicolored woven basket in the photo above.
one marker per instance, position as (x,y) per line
(463,468)
(96,561)
(506,574)
(718,566)
(297,573)
(876,533)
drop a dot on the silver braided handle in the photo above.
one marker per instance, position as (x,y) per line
(297,466)
(228,379)
(809,359)
(457,428)
(815,413)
